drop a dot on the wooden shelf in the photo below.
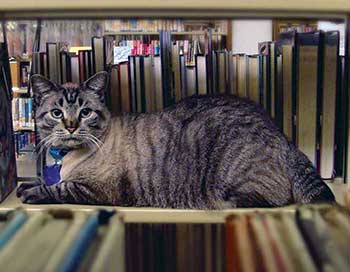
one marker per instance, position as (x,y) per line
(121,33)
(19,91)
(253,5)
(174,33)
(23,129)
(172,8)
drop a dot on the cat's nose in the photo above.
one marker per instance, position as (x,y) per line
(71,129)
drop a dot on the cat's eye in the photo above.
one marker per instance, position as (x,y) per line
(85,113)
(56,113)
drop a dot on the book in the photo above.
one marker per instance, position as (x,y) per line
(65,68)
(263,242)
(317,234)
(242,75)
(40,65)
(175,61)
(53,61)
(231,73)
(158,85)
(15,73)
(330,84)
(108,45)
(8,173)
(308,92)
(24,67)
(253,78)
(201,74)
(149,91)
(125,87)
(114,95)
(98,54)
(221,71)
(286,43)
(74,66)
(274,107)
(190,80)
(265,75)
(111,254)
(183,76)
(279,91)
(132,83)
(85,65)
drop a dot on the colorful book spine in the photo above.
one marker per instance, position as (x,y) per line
(22,113)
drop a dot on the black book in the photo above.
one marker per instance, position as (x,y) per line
(202,74)
(108,50)
(330,91)
(53,65)
(265,75)
(253,78)
(8,173)
(132,83)
(221,71)
(286,45)
(98,61)
(308,52)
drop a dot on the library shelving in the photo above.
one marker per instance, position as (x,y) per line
(312,230)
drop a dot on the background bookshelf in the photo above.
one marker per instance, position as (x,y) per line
(194,58)
(299,25)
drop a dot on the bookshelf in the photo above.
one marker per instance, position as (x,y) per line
(300,25)
(227,8)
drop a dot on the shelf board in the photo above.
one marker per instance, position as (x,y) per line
(174,33)
(23,129)
(121,33)
(20,91)
(177,5)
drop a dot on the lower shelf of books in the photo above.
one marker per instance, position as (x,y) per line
(308,238)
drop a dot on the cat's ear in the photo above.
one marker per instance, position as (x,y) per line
(97,83)
(41,87)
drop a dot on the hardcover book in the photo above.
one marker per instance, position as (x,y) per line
(265,75)
(308,92)
(286,44)
(253,78)
(8,173)
(330,90)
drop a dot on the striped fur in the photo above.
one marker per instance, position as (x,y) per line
(207,152)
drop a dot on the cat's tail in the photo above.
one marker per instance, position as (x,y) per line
(308,186)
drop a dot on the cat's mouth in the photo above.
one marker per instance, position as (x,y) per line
(71,141)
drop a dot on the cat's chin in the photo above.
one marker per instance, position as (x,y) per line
(70,144)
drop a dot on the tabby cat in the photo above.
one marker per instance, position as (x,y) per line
(206,152)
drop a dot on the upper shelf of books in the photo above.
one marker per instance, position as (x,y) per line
(103,8)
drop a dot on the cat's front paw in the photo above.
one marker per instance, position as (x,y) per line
(35,195)
(26,185)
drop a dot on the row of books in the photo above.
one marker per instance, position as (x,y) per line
(143,25)
(24,141)
(315,238)
(22,113)
(297,79)
(289,78)
(298,28)
(136,85)
(300,84)
(62,66)
(125,48)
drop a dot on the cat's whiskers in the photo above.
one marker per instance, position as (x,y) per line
(93,139)
(42,141)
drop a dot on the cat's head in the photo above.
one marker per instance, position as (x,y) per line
(71,115)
